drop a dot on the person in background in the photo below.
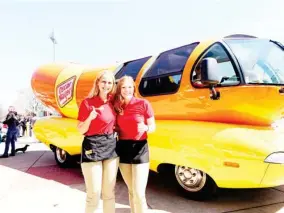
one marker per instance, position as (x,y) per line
(99,161)
(196,78)
(135,120)
(12,122)
(32,121)
(23,124)
(18,127)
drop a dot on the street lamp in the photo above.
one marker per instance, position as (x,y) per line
(52,38)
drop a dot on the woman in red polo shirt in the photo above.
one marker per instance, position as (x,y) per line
(99,159)
(134,120)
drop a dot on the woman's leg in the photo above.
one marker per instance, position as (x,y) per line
(110,168)
(93,180)
(140,174)
(126,172)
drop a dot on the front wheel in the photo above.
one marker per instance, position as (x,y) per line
(63,159)
(194,183)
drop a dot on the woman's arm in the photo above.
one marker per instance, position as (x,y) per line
(83,126)
(151,125)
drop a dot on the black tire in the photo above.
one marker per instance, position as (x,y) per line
(3,139)
(195,184)
(63,159)
(191,183)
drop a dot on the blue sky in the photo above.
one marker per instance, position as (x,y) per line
(98,32)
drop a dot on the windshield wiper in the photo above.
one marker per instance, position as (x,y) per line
(278,44)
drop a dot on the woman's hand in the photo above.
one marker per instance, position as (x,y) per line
(142,127)
(93,114)
(83,127)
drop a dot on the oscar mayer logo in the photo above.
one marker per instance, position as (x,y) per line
(65,90)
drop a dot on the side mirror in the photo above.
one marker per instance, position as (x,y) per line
(209,68)
(209,76)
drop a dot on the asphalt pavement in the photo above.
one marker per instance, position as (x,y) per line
(32,182)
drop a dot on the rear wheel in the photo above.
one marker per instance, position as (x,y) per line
(194,183)
(63,159)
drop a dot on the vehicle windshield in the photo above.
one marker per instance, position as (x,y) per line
(262,60)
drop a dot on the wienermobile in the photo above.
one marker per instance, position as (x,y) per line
(219,107)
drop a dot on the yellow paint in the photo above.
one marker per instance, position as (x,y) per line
(246,146)
(195,131)
(61,132)
(274,176)
(71,72)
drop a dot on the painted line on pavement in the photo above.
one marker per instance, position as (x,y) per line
(253,207)
(278,190)
(36,161)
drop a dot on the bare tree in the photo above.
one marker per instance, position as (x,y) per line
(34,105)
(26,102)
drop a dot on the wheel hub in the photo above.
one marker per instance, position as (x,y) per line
(190,179)
(61,155)
(187,174)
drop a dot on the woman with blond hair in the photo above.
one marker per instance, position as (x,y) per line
(99,161)
(134,120)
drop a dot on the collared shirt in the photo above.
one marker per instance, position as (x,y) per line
(136,111)
(105,120)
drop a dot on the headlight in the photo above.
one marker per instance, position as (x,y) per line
(277,157)
(278,125)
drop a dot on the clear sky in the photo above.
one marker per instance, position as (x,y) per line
(99,32)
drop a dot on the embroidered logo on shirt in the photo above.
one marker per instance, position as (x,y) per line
(65,90)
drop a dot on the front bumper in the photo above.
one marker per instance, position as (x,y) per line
(274,176)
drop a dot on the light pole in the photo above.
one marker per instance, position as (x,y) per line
(53,51)
(52,38)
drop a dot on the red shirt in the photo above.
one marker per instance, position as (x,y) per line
(105,120)
(134,112)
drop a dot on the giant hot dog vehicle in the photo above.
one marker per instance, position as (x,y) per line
(219,108)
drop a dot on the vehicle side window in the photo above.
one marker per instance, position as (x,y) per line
(131,68)
(164,76)
(225,70)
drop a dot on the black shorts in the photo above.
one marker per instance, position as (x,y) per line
(132,151)
(98,148)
